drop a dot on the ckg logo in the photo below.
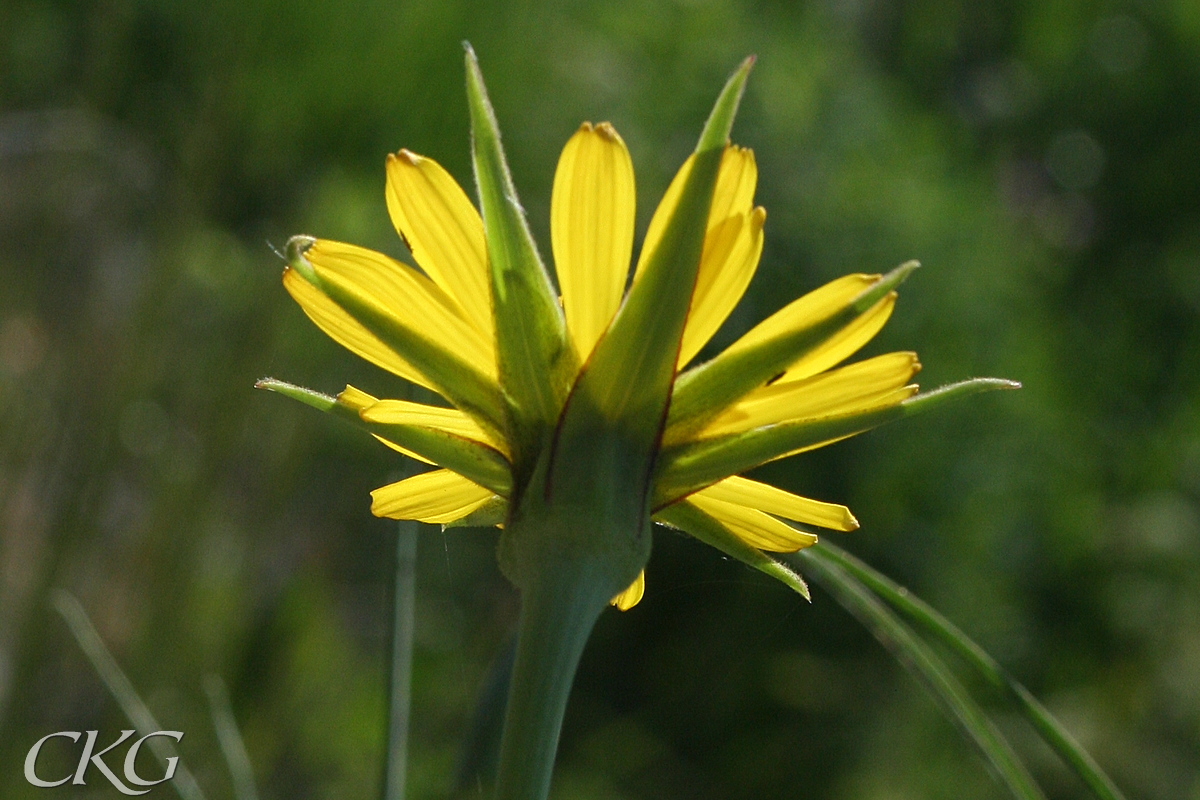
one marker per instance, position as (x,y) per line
(91,758)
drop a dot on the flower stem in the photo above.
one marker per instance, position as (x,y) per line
(558,611)
(400,683)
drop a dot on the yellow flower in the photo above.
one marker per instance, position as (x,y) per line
(439,320)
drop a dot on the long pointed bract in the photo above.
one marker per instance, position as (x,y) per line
(535,360)
(473,460)
(625,387)
(693,465)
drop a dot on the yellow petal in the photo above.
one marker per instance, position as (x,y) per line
(882,401)
(439,496)
(773,500)
(356,398)
(841,391)
(402,450)
(344,330)
(844,343)
(735,184)
(408,297)
(444,232)
(731,252)
(591,229)
(733,194)
(449,420)
(812,307)
(753,526)
(632,595)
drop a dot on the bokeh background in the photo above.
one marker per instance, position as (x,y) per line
(1042,159)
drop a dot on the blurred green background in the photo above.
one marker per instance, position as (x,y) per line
(1042,159)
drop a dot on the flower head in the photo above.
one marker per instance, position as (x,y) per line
(586,399)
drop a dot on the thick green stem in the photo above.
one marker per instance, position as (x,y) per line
(558,611)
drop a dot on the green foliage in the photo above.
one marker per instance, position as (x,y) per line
(1039,159)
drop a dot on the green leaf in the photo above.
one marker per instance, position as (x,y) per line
(688,467)
(473,460)
(708,389)
(536,362)
(920,660)
(686,517)
(972,654)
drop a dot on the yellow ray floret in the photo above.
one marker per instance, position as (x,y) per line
(438,497)
(730,258)
(345,330)
(818,304)
(842,391)
(449,420)
(772,500)
(591,230)
(443,230)
(410,299)
(734,194)
(358,400)
(754,527)
(732,245)
(632,595)
(842,344)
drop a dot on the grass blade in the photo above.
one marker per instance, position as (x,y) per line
(241,774)
(920,660)
(946,632)
(121,688)
(480,751)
